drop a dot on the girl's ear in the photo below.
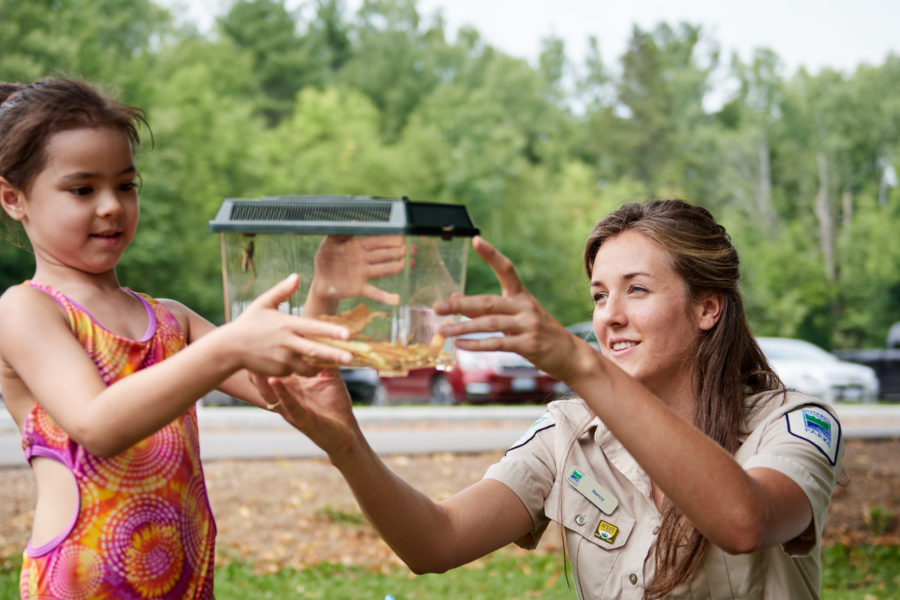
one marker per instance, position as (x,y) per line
(12,200)
(709,310)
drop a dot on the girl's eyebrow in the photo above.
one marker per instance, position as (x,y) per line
(86,175)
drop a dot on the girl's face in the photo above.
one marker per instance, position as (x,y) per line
(644,318)
(81,211)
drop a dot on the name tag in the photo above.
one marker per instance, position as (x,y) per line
(598,495)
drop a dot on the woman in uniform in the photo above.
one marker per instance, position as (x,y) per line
(682,469)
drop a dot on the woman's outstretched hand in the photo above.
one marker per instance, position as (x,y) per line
(318,406)
(528,329)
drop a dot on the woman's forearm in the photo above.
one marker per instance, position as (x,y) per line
(412,524)
(429,536)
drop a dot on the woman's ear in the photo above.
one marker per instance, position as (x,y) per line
(12,200)
(709,310)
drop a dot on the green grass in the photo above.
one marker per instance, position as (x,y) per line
(506,577)
(865,573)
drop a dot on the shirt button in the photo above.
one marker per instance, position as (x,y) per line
(632,578)
(580,519)
(655,530)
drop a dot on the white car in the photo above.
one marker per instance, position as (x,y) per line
(805,367)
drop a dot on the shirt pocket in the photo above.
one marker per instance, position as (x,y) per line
(579,515)
(596,542)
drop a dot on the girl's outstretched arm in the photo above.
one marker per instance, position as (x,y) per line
(428,536)
(38,350)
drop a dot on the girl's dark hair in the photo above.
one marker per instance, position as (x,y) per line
(730,364)
(31,114)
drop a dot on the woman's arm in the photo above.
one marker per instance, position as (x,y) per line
(738,510)
(38,346)
(428,536)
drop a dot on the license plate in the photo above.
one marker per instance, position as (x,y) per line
(523,384)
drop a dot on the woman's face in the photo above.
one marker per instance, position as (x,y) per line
(644,318)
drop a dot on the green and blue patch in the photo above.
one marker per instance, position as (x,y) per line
(818,427)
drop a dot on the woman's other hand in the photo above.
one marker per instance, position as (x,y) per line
(345,266)
(318,406)
(528,329)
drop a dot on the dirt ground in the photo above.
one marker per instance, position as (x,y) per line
(293,513)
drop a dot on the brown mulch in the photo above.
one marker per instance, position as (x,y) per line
(297,512)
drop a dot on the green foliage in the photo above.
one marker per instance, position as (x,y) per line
(93,39)
(396,61)
(331,145)
(283,61)
(313,100)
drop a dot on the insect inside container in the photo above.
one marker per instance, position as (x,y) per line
(247,264)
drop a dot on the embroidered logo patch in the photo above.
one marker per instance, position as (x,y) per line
(606,531)
(816,425)
(543,422)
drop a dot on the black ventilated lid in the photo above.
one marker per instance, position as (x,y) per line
(349,215)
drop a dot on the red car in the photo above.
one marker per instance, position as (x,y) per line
(477,377)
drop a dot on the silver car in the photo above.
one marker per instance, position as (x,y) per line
(808,368)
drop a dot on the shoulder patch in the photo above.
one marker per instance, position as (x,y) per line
(818,427)
(544,421)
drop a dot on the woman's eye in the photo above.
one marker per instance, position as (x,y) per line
(81,190)
(638,289)
(128,187)
(598,297)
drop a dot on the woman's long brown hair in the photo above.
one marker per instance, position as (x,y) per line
(729,362)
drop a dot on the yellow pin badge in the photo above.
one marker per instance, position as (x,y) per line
(606,531)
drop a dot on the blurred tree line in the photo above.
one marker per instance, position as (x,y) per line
(387,102)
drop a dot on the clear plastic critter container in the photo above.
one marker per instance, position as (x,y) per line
(375,265)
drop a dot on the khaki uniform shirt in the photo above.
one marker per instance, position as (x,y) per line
(611,552)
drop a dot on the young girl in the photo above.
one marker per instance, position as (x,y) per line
(102,380)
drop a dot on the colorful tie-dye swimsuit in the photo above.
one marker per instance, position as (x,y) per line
(143,528)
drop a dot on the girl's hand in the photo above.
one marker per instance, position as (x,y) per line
(271,342)
(318,406)
(528,328)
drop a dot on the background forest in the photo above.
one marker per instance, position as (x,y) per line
(800,167)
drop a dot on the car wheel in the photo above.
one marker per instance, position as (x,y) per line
(442,391)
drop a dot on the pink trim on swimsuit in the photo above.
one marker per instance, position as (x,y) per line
(52,454)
